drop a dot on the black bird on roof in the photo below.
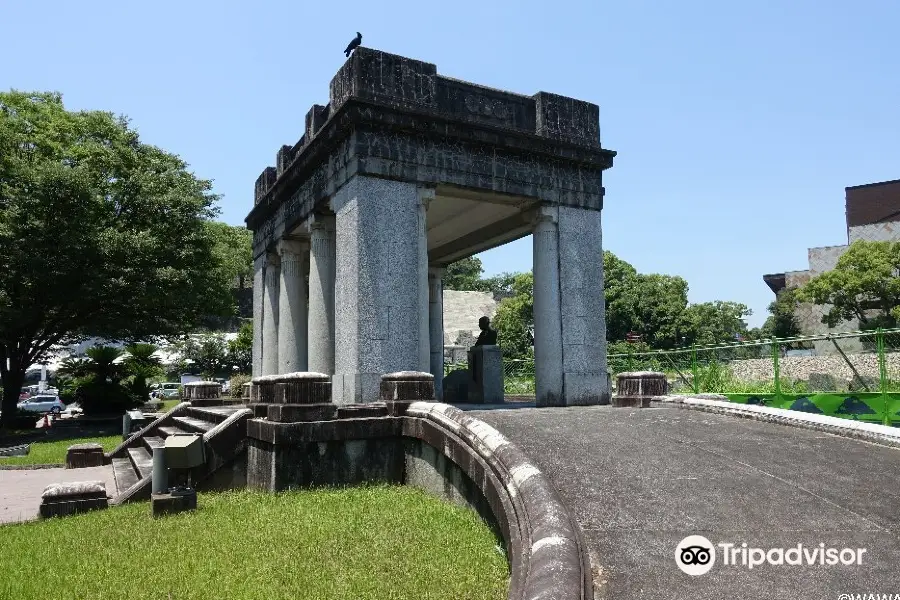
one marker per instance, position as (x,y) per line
(353,44)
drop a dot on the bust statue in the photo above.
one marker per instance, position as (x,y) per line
(488,336)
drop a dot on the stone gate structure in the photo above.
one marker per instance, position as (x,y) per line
(403,172)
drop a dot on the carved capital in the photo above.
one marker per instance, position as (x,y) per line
(292,248)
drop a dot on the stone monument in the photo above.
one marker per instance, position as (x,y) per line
(400,174)
(485,385)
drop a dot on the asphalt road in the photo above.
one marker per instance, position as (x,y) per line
(640,481)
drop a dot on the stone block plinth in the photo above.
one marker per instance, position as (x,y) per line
(84,455)
(173,502)
(263,389)
(297,413)
(485,385)
(399,390)
(62,499)
(201,390)
(637,389)
(245,391)
(302,388)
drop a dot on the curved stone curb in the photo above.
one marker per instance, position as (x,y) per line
(547,554)
(869,432)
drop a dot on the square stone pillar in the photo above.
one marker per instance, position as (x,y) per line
(321,295)
(425,196)
(292,306)
(270,316)
(569,308)
(378,296)
(548,348)
(583,307)
(436,328)
(259,283)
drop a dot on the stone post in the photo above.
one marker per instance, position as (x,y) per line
(426,195)
(399,390)
(302,396)
(378,328)
(548,357)
(436,328)
(259,284)
(292,307)
(321,296)
(270,316)
(582,307)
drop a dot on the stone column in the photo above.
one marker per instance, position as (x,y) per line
(259,268)
(582,307)
(436,328)
(425,196)
(321,296)
(292,313)
(548,348)
(377,289)
(270,316)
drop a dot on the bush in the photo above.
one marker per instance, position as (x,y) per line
(101,397)
(237,384)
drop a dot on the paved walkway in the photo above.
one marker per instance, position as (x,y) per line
(639,481)
(20,491)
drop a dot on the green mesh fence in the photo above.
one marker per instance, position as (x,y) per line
(774,372)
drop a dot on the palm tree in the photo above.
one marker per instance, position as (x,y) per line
(101,363)
(142,364)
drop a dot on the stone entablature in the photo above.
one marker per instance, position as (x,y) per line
(396,118)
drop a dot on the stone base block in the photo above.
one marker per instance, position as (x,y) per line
(84,455)
(631,401)
(296,413)
(362,411)
(169,503)
(406,386)
(260,409)
(207,402)
(62,499)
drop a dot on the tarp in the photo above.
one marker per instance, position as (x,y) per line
(871,407)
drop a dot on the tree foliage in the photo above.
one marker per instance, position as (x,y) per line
(240,349)
(864,285)
(100,234)
(464,274)
(782,320)
(514,319)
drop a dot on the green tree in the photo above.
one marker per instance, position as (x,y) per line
(142,364)
(240,349)
(782,320)
(713,322)
(206,353)
(100,388)
(100,235)
(514,319)
(464,274)
(864,285)
(234,247)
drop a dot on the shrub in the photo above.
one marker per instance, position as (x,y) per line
(102,397)
(237,384)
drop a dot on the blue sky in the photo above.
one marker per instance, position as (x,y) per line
(738,125)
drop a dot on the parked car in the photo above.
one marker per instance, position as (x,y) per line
(42,404)
(168,390)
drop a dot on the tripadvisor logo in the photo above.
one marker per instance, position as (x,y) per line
(696,555)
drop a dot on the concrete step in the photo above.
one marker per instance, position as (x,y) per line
(151,442)
(213,414)
(142,461)
(168,430)
(124,474)
(192,424)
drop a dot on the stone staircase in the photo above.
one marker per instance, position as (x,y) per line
(224,430)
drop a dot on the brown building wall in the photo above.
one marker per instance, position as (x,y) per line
(873,203)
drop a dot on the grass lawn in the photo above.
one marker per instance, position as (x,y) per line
(54,452)
(170,404)
(365,542)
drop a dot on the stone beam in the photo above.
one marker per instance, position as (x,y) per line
(496,234)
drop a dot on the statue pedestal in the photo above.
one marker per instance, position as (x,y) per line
(485,375)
